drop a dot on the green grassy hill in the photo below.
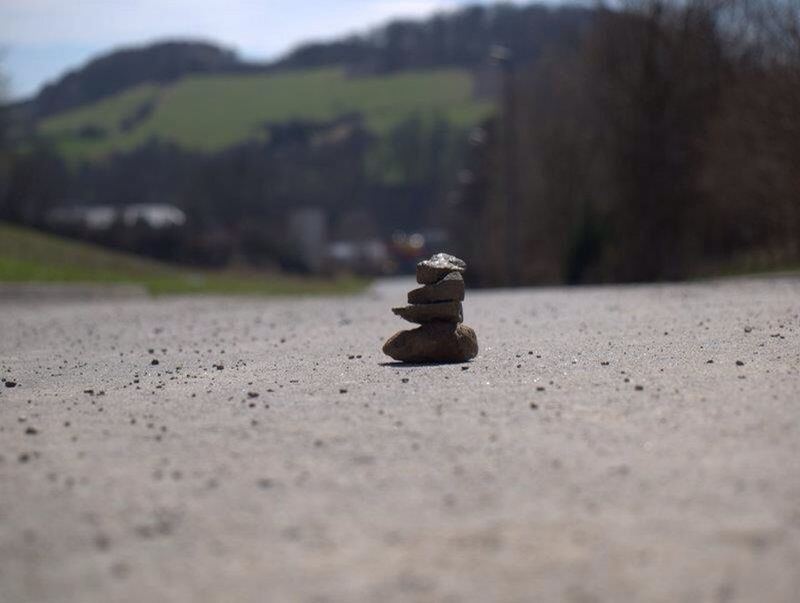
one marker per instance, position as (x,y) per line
(30,256)
(211,112)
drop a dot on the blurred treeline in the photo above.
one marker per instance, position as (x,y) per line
(666,145)
(459,38)
(239,202)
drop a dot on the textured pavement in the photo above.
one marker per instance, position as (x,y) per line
(608,444)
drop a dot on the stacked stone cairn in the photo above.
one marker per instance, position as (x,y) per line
(436,306)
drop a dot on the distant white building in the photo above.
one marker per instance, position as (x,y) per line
(154,215)
(102,217)
(93,217)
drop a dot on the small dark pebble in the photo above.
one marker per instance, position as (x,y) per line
(11,384)
(709,362)
(739,363)
(252,394)
(464,368)
(154,361)
(342,391)
(534,406)
(748,329)
(540,388)
(404,379)
(102,542)
(639,388)
(31,431)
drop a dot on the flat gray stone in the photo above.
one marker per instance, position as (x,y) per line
(450,288)
(425,313)
(437,267)
(436,342)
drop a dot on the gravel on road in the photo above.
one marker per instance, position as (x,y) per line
(607,444)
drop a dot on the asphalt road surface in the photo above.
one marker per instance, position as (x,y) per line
(608,444)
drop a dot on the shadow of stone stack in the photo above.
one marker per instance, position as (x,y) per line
(436,306)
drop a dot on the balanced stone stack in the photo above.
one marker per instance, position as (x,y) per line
(436,306)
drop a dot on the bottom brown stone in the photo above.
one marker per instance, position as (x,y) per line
(433,342)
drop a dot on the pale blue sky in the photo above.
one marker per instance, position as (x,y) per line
(43,38)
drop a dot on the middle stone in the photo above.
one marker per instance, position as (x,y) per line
(448,311)
(450,288)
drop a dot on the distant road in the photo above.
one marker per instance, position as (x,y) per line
(608,444)
(57,292)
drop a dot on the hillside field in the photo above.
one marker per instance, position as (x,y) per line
(212,112)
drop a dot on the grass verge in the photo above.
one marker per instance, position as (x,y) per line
(29,256)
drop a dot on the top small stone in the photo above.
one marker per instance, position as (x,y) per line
(437,267)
